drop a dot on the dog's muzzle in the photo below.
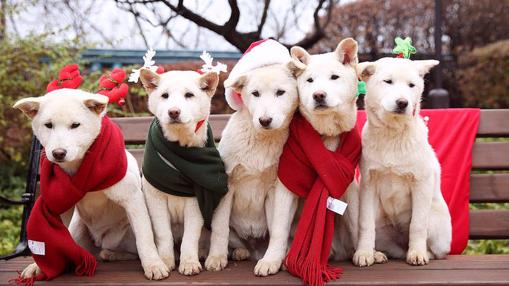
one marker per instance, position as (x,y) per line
(401,106)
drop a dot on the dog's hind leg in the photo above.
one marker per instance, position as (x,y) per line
(193,224)
(109,255)
(80,233)
(280,209)
(439,228)
(240,251)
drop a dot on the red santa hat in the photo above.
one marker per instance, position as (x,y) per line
(259,54)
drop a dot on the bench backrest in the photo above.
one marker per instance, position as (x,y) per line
(490,166)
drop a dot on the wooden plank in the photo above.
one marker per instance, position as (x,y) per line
(135,128)
(489,188)
(490,156)
(489,224)
(138,155)
(455,270)
(494,123)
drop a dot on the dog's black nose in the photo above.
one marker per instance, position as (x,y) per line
(402,104)
(265,121)
(59,154)
(319,96)
(174,113)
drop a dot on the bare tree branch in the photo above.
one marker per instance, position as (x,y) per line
(264,17)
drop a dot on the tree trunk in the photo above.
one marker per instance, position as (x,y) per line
(3,22)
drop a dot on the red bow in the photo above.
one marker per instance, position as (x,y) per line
(68,77)
(112,85)
(160,70)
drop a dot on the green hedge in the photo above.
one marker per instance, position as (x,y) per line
(483,76)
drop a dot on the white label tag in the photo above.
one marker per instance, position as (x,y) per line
(37,247)
(336,205)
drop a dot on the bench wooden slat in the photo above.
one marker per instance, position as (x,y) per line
(489,224)
(490,155)
(455,270)
(135,128)
(493,123)
(489,188)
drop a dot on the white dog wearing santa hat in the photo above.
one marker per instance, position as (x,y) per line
(263,91)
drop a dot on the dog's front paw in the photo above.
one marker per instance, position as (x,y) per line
(189,266)
(266,267)
(156,270)
(363,258)
(30,271)
(240,254)
(169,261)
(380,257)
(216,262)
(415,257)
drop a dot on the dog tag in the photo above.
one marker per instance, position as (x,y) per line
(37,247)
(336,205)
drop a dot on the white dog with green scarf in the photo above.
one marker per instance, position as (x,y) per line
(183,175)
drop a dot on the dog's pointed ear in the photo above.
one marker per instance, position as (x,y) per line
(96,103)
(208,82)
(365,70)
(236,83)
(29,106)
(346,52)
(296,67)
(423,66)
(300,55)
(149,79)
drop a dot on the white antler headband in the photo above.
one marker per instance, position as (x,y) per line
(148,64)
(208,66)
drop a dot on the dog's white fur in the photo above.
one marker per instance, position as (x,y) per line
(403,212)
(317,73)
(113,221)
(251,153)
(172,216)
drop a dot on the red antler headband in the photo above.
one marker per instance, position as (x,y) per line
(68,77)
(112,85)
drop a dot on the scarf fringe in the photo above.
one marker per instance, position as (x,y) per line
(87,267)
(311,271)
(20,281)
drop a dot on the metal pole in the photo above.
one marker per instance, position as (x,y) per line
(438,42)
(438,97)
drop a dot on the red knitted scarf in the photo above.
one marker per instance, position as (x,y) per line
(53,248)
(314,173)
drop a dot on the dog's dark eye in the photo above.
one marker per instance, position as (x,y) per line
(255,93)
(411,85)
(164,95)
(334,76)
(188,95)
(388,81)
(75,125)
(280,92)
(49,125)
(309,79)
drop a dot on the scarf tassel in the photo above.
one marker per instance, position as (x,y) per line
(312,272)
(88,265)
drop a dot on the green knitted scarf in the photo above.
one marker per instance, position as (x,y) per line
(185,171)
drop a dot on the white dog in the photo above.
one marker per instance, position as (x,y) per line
(114,220)
(179,100)
(403,212)
(251,145)
(327,85)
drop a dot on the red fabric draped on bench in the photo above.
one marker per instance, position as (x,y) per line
(452,134)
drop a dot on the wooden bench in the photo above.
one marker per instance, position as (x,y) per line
(486,187)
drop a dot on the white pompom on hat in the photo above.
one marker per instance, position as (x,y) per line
(259,54)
